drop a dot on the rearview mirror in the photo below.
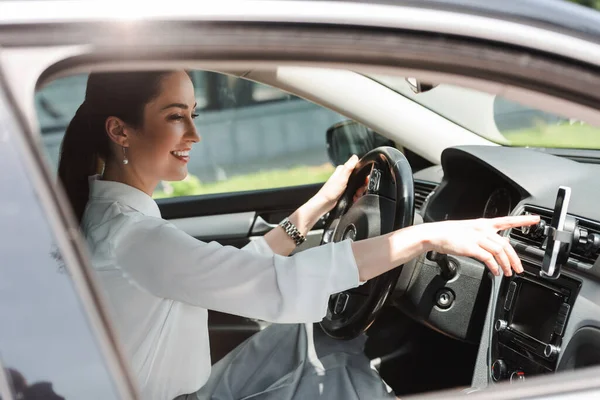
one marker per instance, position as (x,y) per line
(349,137)
(418,86)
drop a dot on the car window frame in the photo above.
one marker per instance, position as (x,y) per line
(6,387)
(71,248)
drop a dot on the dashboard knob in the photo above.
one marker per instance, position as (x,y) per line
(499,370)
(500,325)
(517,376)
(539,230)
(551,350)
(526,230)
(592,244)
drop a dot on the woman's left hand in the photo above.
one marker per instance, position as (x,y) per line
(333,189)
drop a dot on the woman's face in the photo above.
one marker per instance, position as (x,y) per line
(160,149)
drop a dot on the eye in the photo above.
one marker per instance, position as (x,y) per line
(176,117)
(195,115)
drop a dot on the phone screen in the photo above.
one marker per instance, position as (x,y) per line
(558,222)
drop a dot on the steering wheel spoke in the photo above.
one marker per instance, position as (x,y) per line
(329,231)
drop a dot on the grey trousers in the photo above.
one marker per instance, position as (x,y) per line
(291,362)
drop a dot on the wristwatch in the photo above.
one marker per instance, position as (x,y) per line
(292,231)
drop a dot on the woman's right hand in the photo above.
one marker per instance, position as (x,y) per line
(478,238)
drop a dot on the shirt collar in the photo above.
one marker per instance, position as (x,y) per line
(124,194)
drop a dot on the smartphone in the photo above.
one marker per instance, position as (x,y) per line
(558,223)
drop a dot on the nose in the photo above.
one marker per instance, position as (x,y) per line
(192,134)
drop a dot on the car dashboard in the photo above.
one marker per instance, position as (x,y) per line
(526,324)
(473,192)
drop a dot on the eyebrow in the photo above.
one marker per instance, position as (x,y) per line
(178,105)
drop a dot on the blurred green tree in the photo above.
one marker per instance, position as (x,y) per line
(588,3)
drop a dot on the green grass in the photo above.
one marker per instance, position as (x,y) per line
(576,136)
(300,175)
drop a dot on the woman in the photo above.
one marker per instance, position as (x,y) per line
(138,128)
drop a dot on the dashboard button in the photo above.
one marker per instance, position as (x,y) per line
(510,295)
(561,318)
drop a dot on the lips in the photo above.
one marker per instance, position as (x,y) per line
(181,155)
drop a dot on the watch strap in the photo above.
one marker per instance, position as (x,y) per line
(292,231)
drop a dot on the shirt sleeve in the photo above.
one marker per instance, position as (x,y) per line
(253,282)
(259,245)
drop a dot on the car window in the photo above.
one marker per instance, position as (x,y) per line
(253,136)
(498,119)
(47,345)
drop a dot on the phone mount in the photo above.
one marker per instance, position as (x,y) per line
(564,240)
(559,236)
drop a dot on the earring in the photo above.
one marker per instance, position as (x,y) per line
(125,160)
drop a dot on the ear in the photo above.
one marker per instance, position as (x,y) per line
(117,131)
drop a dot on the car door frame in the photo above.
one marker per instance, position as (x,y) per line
(70,248)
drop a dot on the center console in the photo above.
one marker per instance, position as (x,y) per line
(533,308)
(531,316)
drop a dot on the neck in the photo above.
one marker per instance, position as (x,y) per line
(127,174)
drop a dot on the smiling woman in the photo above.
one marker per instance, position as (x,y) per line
(86,149)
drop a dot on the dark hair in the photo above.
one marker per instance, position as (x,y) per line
(86,143)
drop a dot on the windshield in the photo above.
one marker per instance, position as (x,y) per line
(499,120)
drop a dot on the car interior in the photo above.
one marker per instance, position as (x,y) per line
(437,322)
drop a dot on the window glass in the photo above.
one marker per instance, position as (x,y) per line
(498,119)
(521,125)
(46,344)
(253,136)
(264,93)
(199,78)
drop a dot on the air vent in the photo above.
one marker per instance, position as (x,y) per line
(586,241)
(422,190)
(532,236)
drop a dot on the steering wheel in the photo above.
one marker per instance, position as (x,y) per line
(386,205)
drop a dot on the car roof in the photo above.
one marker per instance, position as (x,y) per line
(553,26)
(557,14)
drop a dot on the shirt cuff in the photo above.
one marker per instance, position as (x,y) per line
(344,270)
(344,274)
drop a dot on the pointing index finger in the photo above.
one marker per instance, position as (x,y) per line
(503,223)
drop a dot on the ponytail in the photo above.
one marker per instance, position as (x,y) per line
(83,147)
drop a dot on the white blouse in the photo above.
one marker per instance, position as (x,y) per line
(160,282)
